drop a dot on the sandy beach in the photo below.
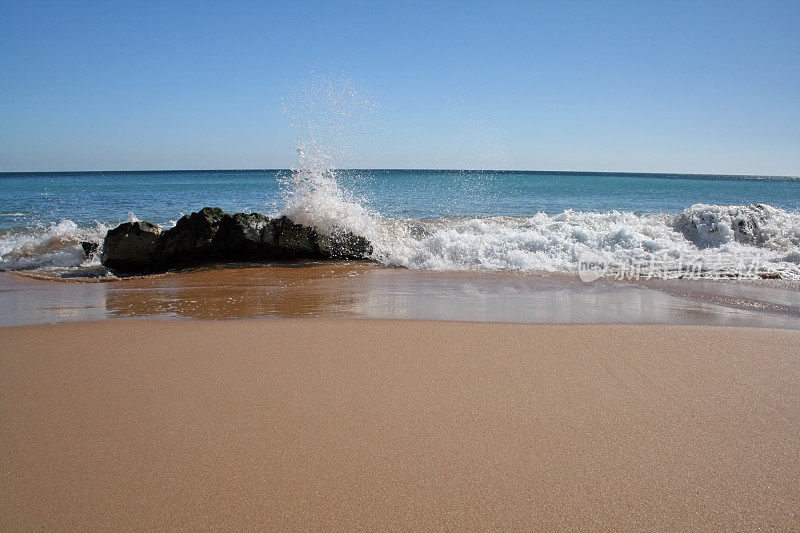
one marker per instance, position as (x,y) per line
(372,424)
(321,266)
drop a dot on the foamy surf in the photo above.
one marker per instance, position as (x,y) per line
(709,241)
(655,243)
(53,248)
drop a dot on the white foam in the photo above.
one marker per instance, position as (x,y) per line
(314,198)
(556,243)
(718,240)
(55,246)
(759,225)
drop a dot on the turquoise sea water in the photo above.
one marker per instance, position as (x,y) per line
(84,197)
(436,220)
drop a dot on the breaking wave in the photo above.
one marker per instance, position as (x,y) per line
(718,239)
(556,243)
(55,248)
(712,240)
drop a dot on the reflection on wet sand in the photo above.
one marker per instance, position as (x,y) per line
(280,291)
(370,291)
(552,298)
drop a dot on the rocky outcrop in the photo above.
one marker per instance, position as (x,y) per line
(89,248)
(244,234)
(192,238)
(131,247)
(211,235)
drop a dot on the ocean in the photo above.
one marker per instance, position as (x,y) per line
(709,226)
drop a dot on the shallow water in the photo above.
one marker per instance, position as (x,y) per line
(358,290)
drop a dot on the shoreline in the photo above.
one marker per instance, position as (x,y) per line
(344,424)
(367,290)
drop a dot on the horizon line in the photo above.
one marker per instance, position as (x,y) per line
(529,171)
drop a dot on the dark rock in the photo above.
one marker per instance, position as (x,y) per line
(213,235)
(297,240)
(89,248)
(344,245)
(131,247)
(192,237)
(244,235)
(293,240)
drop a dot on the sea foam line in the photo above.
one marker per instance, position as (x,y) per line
(720,239)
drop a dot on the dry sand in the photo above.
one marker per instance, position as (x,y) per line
(345,424)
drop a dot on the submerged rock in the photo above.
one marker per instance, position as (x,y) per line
(213,235)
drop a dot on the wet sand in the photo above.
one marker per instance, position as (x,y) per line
(363,290)
(347,424)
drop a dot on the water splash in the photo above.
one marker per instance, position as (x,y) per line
(327,113)
(53,247)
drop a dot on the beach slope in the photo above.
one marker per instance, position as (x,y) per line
(344,424)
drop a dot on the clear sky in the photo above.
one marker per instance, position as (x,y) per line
(705,87)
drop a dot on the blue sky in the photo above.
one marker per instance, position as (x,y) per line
(706,87)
